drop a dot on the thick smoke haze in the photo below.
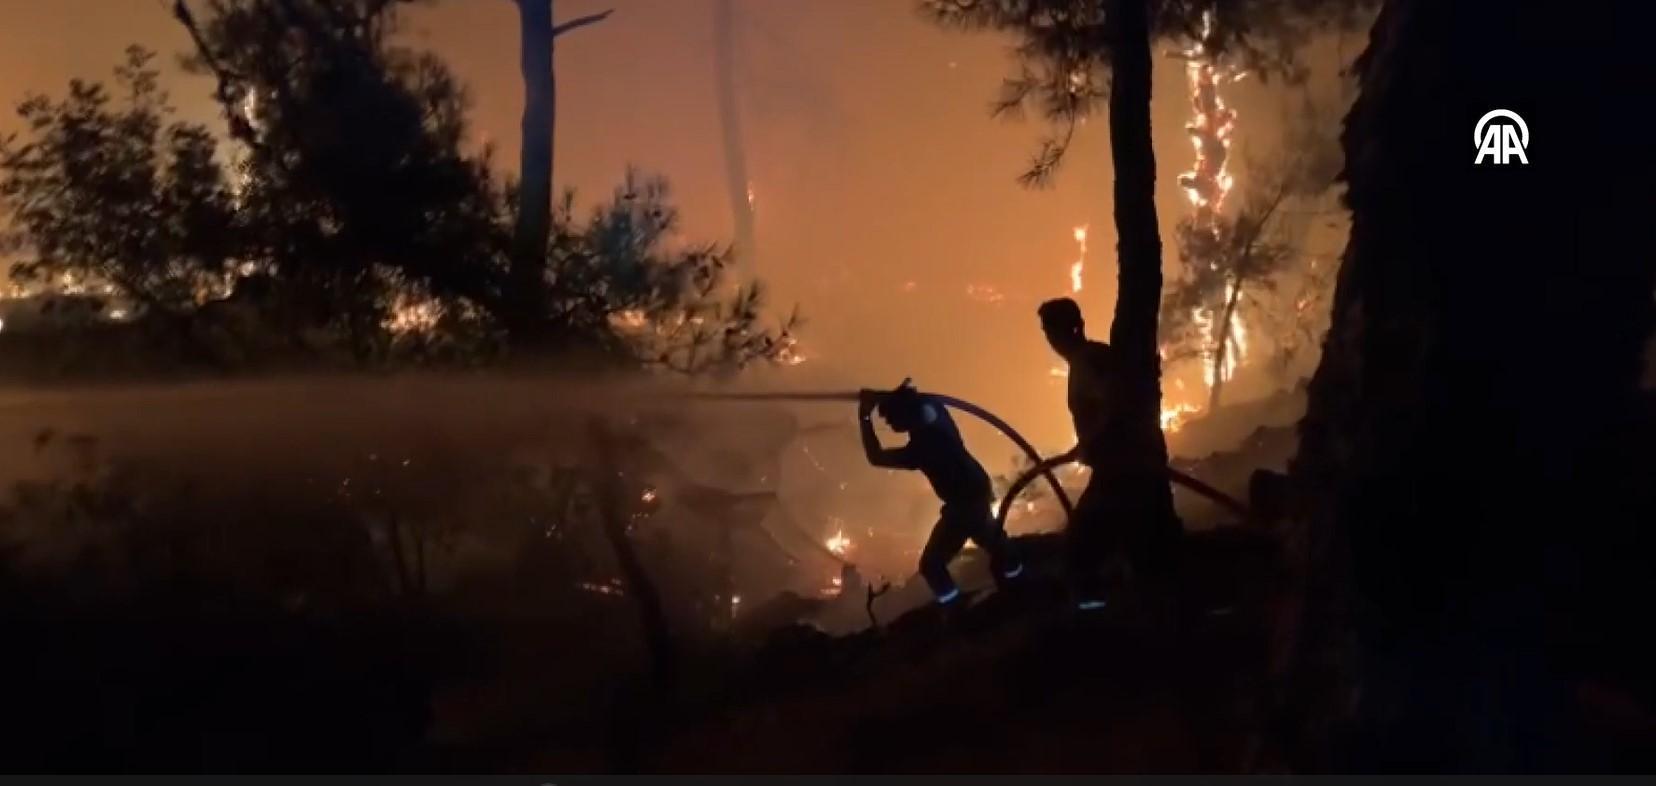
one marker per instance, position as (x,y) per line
(885,194)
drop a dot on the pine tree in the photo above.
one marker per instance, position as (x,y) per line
(1073,54)
(538,35)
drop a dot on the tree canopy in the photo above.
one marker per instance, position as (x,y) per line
(349,205)
(1064,55)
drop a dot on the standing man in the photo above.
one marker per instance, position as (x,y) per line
(937,451)
(1115,401)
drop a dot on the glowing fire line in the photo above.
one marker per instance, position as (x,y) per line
(1077,268)
(1206,185)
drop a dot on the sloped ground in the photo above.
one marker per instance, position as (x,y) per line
(1017,682)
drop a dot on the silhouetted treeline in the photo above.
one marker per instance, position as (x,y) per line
(347,218)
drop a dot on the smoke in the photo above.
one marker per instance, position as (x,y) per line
(479,464)
(738,183)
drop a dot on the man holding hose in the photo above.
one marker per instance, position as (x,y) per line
(936,449)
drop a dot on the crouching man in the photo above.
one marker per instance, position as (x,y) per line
(936,449)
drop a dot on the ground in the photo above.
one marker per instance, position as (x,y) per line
(1017,682)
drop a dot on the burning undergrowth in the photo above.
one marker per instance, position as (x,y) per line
(445,558)
(477,523)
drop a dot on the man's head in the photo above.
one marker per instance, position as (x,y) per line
(902,408)
(1061,321)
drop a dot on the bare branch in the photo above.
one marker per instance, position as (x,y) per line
(579,22)
(222,75)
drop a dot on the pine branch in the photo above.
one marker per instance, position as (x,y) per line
(573,24)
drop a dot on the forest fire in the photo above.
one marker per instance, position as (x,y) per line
(1209,181)
(1173,417)
(1206,186)
(343,413)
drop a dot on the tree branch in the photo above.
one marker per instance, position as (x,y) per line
(590,19)
(222,74)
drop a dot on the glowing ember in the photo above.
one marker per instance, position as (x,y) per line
(985,293)
(1173,418)
(601,589)
(839,544)
(648,496)
(630,319)
(413,315)
(1080,261)
(250,109)
(789,353)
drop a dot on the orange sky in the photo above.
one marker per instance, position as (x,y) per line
(874,161)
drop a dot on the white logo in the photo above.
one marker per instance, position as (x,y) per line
(1500,141)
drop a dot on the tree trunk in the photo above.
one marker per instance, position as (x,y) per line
(1139,247)
(652,615)
(1221,349)
(643,719)
(534,220)
(1476,534)
(735,151)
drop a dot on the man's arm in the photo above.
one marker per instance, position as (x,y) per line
(877,455)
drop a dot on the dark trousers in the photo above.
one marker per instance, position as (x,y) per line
(1130,512)
(958,523)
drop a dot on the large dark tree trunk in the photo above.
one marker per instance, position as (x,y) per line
(534,220)
(1476,538)
(1139,246)
(735,151)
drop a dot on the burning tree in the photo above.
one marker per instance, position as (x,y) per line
(355,184)
(1252,267)
(1224,256)
(1075,53)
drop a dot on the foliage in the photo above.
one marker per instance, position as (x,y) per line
(1064,56)
(620,275)
(348,217)
(352,174)
(105,189)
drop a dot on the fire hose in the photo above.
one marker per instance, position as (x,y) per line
(1042,467)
